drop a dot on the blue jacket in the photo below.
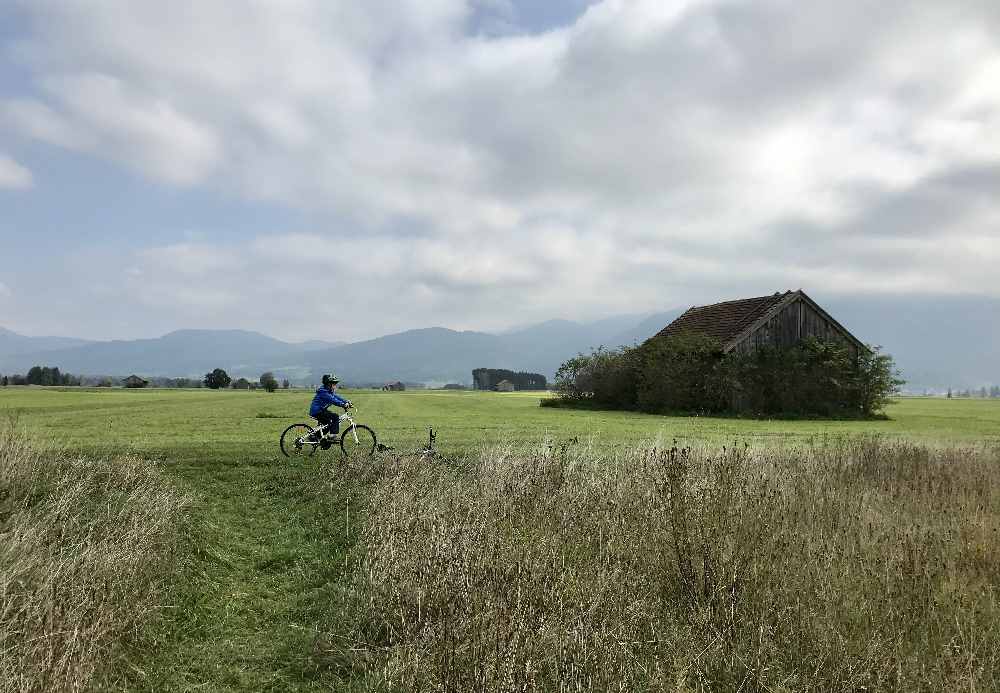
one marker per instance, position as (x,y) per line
(323,399)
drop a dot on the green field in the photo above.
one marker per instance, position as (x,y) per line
(206,425)
(272,538)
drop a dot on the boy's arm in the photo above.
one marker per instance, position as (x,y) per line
(338,400)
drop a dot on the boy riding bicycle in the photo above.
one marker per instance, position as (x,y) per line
(325,396)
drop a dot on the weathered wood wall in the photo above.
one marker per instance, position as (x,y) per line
(793,323)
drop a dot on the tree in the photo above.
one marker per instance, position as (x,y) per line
(241,384)
(34,376)
(285,384)
(44,375)
(949,393)
(878,380)
(268,381)
(216,379)
(4,381)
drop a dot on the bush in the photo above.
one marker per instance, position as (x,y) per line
(689,373)
(681,373)
(606,377)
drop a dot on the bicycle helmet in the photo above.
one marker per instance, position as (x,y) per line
(329,378)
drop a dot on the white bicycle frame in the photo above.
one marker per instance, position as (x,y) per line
(346,416)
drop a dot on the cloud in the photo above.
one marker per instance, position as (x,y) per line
(14,176)
(456,163)
(5,291)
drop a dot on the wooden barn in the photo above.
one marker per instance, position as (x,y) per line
(779,320)
(134,381)
(395,386)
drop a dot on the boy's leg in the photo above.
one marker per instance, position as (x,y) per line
(325,418)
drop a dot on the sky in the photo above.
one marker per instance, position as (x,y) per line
(332,169)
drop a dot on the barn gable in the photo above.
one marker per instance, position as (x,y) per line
(777,320)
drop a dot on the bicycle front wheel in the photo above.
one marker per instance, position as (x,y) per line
(298,440)
(358,442)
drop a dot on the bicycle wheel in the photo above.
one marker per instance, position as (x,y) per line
(358,442)
(298,441)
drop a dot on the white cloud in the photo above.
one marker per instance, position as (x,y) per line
(13,175)
(5,291)
(649,154)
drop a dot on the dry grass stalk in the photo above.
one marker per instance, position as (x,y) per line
(85,548)
(848,565)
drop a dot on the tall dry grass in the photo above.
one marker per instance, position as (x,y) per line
(847,565)
(86,547)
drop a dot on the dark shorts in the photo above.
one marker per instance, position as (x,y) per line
(329,417)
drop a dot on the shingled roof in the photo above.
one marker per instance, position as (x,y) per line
(731,321)
(723,321)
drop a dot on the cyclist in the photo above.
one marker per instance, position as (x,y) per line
(325,396)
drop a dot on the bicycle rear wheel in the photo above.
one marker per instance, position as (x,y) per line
(298,440)
(358,442)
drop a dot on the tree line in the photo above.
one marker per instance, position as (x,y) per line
(217,378)
(982,393)
(689,373)
(42,375)
(487,379)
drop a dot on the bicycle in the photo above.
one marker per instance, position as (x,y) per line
(356,441)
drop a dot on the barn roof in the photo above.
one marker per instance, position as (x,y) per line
(723,321)
(731,321)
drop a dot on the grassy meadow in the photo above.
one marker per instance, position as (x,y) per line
(551,548)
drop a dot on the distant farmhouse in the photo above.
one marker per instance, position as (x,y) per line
(394,386)
(505,386)
(778,320)
(134,381)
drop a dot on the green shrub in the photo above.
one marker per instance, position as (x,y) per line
(681,373)
(689,373)
(606,377)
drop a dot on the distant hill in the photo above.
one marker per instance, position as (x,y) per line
(14,343)
(317,344)
(433,354)
(180,353)
(646,328)
(937,342)
(440,355)
(942,342)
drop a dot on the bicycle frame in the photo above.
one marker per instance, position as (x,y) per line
(346,416)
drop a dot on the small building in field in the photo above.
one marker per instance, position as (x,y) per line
(505,386)
(394,386)
(778,320)
(134,381)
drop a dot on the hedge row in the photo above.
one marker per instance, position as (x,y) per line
(690,373)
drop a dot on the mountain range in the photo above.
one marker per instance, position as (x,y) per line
(938,343)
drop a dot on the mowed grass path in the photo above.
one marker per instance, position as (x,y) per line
(274,538)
